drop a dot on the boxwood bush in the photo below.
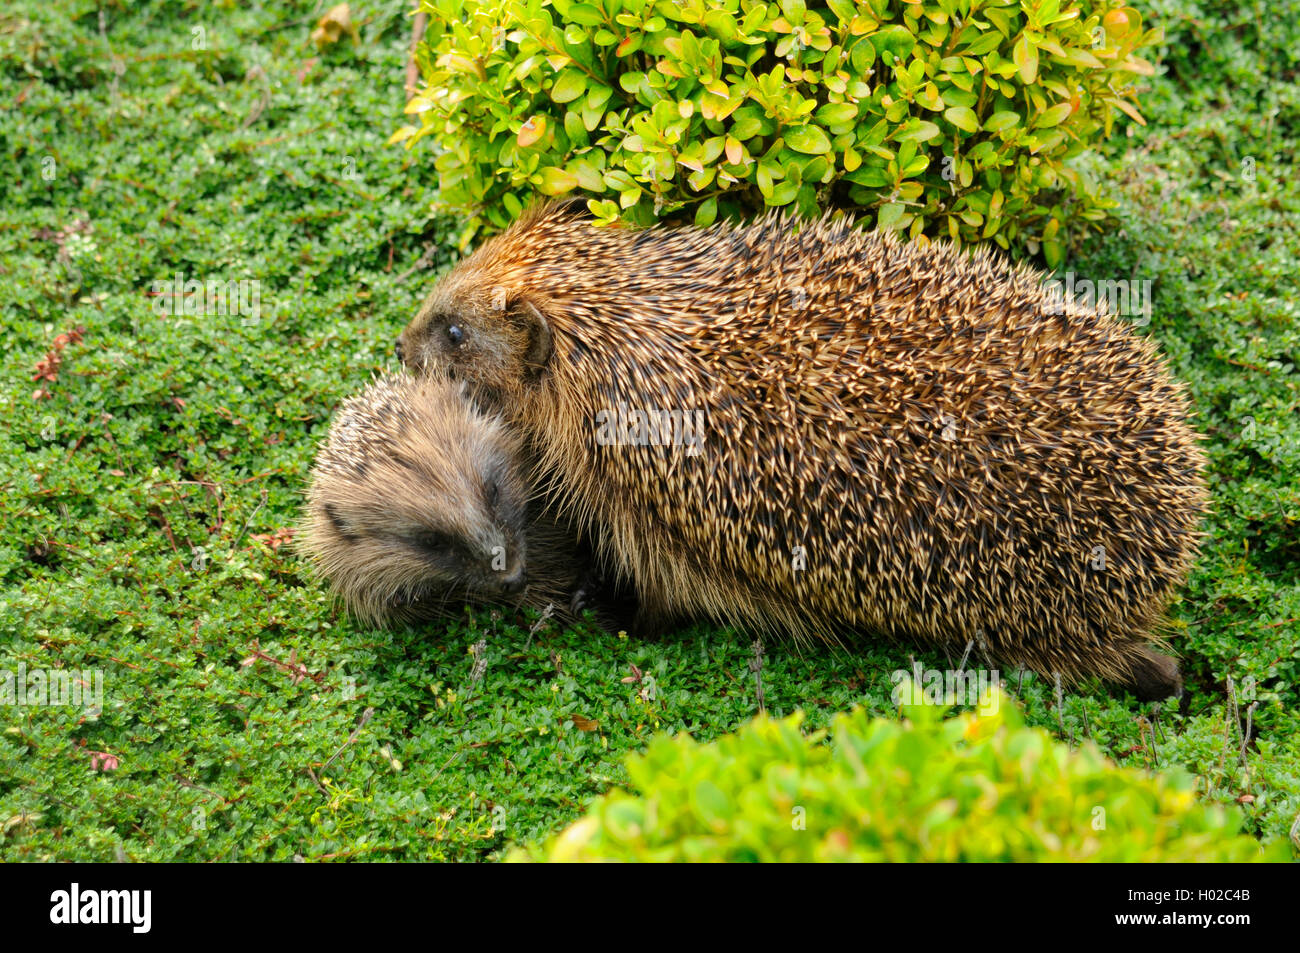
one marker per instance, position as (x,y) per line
(977,787)
(943,117)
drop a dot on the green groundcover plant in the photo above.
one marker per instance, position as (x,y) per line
(978,787)
(951,118)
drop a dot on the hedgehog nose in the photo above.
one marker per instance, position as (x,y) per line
(515,582)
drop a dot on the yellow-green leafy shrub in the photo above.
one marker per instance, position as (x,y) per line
(944,117)
(970,788)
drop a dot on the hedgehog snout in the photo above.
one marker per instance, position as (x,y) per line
(507,570)
(411,352)
(515,582)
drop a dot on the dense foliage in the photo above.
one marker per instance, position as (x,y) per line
(978,787)
(951,118)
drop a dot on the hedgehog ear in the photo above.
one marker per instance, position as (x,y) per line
(538,329)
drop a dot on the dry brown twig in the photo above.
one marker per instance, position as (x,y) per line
(413,70)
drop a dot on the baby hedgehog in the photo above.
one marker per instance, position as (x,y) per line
(818,430)
(419,500)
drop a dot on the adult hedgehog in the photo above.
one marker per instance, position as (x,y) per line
(420,500)
(893,437)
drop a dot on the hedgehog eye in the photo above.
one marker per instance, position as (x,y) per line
(340,525)
(455,334)
(398,348)
(431,541)
(494,493)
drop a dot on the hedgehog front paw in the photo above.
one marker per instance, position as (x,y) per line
(581,600)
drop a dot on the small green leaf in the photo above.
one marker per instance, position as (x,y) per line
(1053,253)
(963,117)
(889,215)
(1025,56)
(897,39)
(870,177)
(836,114)
(746,128)
(707,213)
(1001,120)
(569,86)
(862,55)
(783,193)
(721,24)
(795,10)
(553,180)
(1053,117)
(585,14)
(809,140)
(919,131)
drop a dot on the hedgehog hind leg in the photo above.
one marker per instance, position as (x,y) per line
(1152,675)
(610,599)
(652,621)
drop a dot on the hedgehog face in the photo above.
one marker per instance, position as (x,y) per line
(417,499)
(401,543)
(495,340)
